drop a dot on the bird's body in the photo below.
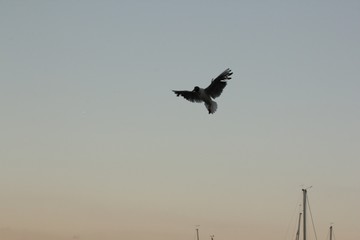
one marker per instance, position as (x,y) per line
(210,105)
(206,95)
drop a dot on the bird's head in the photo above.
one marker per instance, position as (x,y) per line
(196,89)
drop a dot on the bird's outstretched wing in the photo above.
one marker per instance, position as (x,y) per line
(218,84)
(189,95)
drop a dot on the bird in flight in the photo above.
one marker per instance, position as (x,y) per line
(206,95)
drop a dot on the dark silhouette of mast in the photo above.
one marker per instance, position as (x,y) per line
(331,232)
(298,229)
(304,212)
(197,232)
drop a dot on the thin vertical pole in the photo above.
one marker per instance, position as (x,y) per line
(304,213)
(298,230)
(331,232)
(197,233)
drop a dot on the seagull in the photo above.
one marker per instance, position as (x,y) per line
(206,95)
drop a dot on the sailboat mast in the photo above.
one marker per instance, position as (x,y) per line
(298,230)
(304,212)
(331,230)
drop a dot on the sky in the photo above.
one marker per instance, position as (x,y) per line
(94,144)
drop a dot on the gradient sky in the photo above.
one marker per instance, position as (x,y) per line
(94,145)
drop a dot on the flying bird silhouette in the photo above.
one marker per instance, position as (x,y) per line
(206,95)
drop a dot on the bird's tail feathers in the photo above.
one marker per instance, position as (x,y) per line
(211,107)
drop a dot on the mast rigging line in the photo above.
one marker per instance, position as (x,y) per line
(312,220)
(327,236)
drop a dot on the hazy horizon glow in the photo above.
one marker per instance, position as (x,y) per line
(94,145)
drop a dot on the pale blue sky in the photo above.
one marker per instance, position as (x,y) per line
(95,144)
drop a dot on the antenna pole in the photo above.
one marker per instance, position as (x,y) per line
(304,212)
